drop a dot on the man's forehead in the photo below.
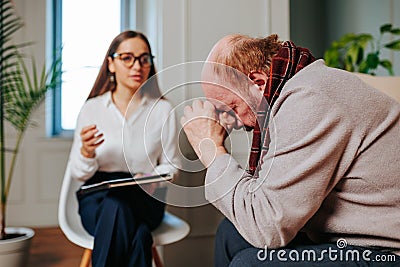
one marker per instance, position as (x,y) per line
(220,85)
(221,104)
(219,91)
(221,99)
(221,73)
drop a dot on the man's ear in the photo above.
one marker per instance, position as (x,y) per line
(259,78)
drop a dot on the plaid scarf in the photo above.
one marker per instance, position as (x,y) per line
(285,64)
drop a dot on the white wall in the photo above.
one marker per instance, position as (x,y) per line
(181,31)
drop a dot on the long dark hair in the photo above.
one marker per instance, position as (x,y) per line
(104,84)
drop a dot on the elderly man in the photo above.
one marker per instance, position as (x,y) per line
(323,180)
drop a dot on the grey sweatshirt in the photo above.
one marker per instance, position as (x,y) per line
(333,168)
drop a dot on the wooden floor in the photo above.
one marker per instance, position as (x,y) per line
(50,248)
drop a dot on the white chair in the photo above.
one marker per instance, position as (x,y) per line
(172,228)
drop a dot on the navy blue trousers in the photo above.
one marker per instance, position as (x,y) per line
(232,250)
(121,221)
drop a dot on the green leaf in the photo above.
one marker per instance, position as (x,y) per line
(363,68)
(348,65)
(385,28)
(26,89)
(363,39)
(372,60)
(353,53)
(395,45)
(360,55)
(346,39)
(331,57)
(395,31)
(387,65)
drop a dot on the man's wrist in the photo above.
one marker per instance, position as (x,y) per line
(208,157)
(220,151)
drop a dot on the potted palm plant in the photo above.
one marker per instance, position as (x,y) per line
(362,54)
(23,89)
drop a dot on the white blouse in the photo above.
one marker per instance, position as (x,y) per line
(145,142)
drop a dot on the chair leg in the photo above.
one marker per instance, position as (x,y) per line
(86,258)
(156,257)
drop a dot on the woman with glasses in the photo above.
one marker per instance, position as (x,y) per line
(124,129)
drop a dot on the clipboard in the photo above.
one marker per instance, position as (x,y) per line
(119,182)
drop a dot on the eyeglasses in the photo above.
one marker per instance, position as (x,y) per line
(128,59)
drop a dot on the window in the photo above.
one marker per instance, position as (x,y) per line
(84,30)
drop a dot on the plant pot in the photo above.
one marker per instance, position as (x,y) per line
(14,252)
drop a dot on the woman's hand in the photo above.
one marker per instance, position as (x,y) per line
(91,139)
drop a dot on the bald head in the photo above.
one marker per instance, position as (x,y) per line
(229,65)
(220,49)
(245,53)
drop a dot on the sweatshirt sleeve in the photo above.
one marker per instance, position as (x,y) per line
(307,156)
